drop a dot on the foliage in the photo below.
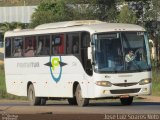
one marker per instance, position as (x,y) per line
(61,10)
(11,26)
(153,11)
(50,11)
(151,18)
(104,10)
(126,15)
(41,17)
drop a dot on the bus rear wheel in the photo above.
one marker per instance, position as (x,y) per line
(31,96)
(126,101)
(81,101)
(43,101)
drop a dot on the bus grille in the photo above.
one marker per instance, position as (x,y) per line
(124,91)
(125,84)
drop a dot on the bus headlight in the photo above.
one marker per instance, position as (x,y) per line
(145,81)
(104,83)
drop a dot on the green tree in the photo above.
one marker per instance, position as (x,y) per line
(153,26)
(50,11)
(6,26)
(60,10)
(153,10)
(41,17)
(104,10)
(126,15)
(11,26)
(107,10)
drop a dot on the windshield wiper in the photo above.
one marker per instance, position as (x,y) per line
(137,66)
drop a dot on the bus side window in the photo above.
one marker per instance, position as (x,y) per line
(17,47)
(30,46)
(8,47)
(72,43)
(43,47)
(68,45)
(57,44)
(75,44)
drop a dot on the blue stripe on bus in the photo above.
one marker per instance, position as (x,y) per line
(56,79)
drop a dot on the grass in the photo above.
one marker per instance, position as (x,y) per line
(2,82)
(156,82)
(4,94)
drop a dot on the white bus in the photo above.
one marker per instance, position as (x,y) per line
(78,61)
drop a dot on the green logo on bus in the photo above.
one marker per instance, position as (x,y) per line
(55,63)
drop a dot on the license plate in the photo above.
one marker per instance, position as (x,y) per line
(124,96)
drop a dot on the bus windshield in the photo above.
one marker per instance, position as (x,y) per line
(121,52)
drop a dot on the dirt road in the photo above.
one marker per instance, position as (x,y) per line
(56,110)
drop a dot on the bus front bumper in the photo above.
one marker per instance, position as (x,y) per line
(102,92)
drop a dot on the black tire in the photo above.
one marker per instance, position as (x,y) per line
(72,101)
(126,101)
(80,101)
(43,101)
(32,98)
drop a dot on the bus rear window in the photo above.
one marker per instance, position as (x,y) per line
(8,47)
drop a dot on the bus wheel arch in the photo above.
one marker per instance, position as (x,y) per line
(28,84)
(74,87)
(31,95)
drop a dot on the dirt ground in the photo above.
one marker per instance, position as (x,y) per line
(150,98)
(76,116)
(55,117)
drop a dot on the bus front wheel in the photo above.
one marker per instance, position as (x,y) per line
(80,100)
(31,96)
(72,101)
(126,101)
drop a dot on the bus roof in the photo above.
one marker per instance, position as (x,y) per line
(67,24)
(92,26)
